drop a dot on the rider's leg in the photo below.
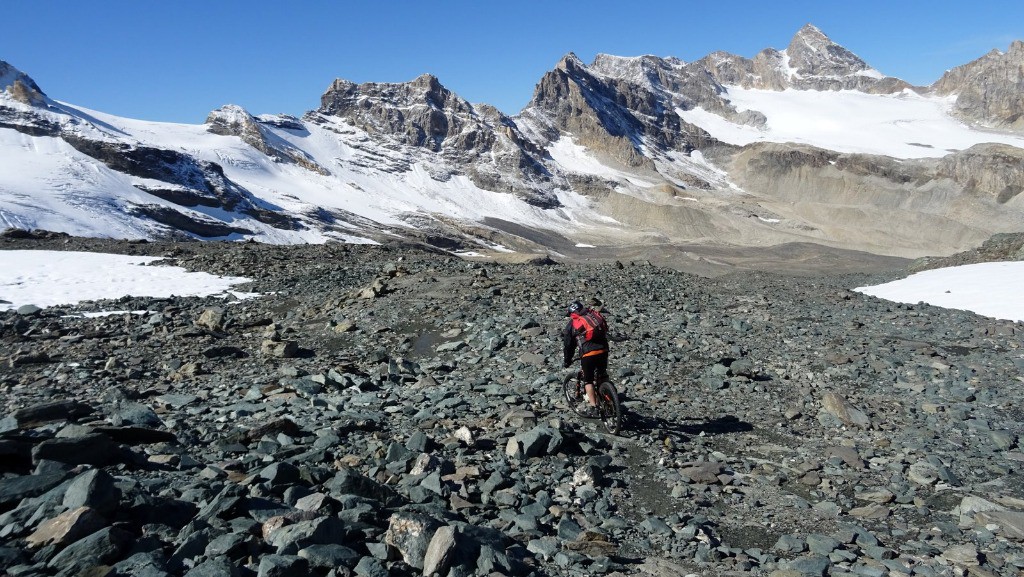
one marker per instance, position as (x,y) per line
(589,367)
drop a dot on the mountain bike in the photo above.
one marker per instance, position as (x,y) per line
(609,409)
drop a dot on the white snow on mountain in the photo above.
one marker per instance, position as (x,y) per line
(47,184)
(905,125)
(70,189)
(575,158)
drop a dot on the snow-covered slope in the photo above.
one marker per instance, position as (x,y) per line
(904,125)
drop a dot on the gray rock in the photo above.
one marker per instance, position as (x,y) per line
(370,567)
(95,489)
(214,568)
(410,535)
(103,547)
(441,551)
(841,408)
(14,489)
(329,556)
(290,539)
(812,566)
(821,545)
(146,564)
(656,526)
(127,414)
(50,412)
(534,443)
(790,544)
(283,566)
(280,474)
(91,449)
(350,482)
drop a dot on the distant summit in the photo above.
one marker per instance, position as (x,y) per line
(20,86)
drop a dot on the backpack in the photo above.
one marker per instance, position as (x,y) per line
(593,327)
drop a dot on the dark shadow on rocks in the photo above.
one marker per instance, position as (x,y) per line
(638,423)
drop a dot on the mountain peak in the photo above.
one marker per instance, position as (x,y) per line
(812,53)
(812,37)
(570,63)
(810,31)
(19,85)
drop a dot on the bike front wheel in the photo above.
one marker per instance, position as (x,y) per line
(573,391)
(609,408)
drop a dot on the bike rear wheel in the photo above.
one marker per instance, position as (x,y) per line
(609,408)
(573,391)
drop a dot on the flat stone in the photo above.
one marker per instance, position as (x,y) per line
(1010,524)
(92,449)
(704,473)
(329,556)
(873,511)
(14,489)
(963,555)
(838,406)
(440,552)
(100,548)
(66,528)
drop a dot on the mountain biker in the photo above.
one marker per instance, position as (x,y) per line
(586,335)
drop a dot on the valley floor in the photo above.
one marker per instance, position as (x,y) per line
(382,410)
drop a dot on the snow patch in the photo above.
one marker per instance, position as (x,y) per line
(575,158)
(990,289)
(50,278)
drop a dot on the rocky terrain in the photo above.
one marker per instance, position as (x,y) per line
(386,410)
(1001,247)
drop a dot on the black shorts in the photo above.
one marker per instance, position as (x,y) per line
(594,365)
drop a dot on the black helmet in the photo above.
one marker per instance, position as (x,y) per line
(574,307)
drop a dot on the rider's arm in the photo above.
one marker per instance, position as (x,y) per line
(568,344)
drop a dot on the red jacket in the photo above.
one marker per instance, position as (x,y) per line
(585,333)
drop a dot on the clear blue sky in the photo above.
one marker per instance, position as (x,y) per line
(176,60)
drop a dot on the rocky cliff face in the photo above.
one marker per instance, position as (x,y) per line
(482,143)
(812,61)
(233,120)
(628,121)
(989,90)
(995,171)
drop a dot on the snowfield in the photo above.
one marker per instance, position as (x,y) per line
(48,278)
(990,289)
(905,125)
